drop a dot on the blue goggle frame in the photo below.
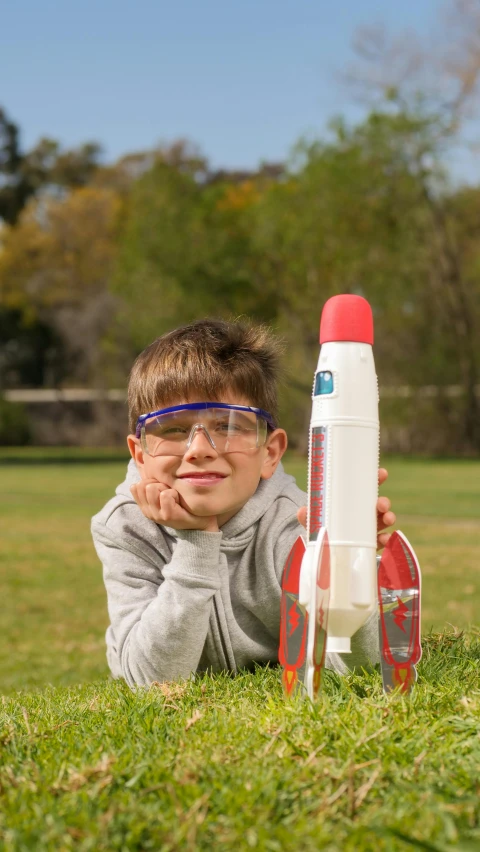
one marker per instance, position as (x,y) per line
(190,406)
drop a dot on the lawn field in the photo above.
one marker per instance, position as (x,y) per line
(228,763)
(54,616)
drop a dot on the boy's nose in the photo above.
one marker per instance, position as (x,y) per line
(200,443)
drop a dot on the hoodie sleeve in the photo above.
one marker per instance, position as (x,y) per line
(159,604)
(364,643)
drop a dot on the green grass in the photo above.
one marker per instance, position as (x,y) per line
(223,763)
(54,616)
(227,763)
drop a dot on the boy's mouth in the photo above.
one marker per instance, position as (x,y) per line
(203,478)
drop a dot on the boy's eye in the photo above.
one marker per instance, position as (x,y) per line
(165,430)
(235,428)
(225,426)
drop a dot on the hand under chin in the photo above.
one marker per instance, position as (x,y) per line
(196,506)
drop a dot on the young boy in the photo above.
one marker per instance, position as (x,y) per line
(194,543)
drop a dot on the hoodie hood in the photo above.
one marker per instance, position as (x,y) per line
(267,492)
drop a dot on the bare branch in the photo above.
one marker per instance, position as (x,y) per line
(441,72)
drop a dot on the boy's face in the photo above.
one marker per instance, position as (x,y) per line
(239,473)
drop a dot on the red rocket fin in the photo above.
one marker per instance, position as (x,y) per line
(293,621)
(399,591)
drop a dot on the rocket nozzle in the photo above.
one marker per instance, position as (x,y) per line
(346,318)
(338,645)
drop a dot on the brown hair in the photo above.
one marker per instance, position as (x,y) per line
(206,358)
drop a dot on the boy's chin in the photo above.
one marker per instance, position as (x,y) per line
(203,508)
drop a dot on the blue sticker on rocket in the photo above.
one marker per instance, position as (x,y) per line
(323,383)
(318,475)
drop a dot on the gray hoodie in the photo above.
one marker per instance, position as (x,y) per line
(182,601)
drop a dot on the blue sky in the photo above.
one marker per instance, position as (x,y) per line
(243,80)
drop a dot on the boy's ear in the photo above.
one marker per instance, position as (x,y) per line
(136,451)
(274,449)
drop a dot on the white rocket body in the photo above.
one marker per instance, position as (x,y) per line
(330,584)
(343,485)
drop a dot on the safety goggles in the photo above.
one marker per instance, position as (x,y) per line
(228,428)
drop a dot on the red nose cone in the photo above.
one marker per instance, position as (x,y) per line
(346,318)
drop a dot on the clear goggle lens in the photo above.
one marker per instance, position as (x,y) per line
(228,431)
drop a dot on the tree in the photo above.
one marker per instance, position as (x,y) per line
(47,165)
(185,247)
(31,354)
(55,269)
(372,212)
(14,187)
(442,86)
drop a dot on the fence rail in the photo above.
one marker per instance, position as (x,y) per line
(64,395)
(43,395)
(427,419)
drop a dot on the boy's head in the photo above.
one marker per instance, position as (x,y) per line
(236,363)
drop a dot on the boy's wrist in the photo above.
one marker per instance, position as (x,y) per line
(196,555)
(211,526)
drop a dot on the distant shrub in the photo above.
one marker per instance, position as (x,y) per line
(14,424)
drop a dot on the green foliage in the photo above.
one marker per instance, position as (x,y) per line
(158,241)
(371,212)
(46,165)
(225,763)
(14,188)
(184,253)
(55,266)
(30,352)
(352,219)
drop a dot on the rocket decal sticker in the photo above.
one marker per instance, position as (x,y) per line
(317,472)
(399,623)
(293,622)
(321,616)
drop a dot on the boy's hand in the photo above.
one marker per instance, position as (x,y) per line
(385,518)
(161,504)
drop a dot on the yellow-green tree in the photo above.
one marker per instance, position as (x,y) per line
(55,266)
(372,212)
(185,249)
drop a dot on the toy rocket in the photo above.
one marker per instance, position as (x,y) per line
(331,584)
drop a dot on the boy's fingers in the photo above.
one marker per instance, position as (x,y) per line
(388,520)
(166,505)
(147,494)
(170,506)
(152,487)
(168,498)
(302,516)
(385,517)
(163,505)
(383,505)
(147,491)
(138,494)
(382,475)
(382,540)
